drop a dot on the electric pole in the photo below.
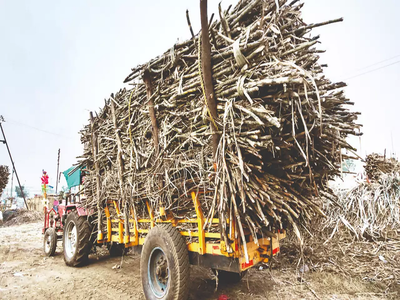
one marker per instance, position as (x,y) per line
(58,165)
(12,161)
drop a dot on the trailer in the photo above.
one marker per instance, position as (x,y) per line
(166,249)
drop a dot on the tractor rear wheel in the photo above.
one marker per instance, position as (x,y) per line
(76,240)
(164,264)
(50,241)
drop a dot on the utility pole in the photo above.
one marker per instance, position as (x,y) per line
(58,166)
(12,161)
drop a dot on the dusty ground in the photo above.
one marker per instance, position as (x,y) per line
(25,273)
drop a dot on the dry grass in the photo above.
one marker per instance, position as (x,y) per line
(371,210)
(23,216)
(355,250)
(343,264)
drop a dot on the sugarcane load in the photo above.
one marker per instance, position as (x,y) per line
(241,115)
(280,125)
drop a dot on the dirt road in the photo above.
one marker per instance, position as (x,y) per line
(25,273)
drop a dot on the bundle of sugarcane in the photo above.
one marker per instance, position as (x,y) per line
(376,165)
(257,148)
(370,209)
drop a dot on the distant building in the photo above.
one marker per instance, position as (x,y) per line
(8,203)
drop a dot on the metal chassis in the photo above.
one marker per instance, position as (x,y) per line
(205,252)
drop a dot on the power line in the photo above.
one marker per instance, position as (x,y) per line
(373,70)
(39,129)
(377,63)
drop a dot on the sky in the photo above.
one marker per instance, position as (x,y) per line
(59,60)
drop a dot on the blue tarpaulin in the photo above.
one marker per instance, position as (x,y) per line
(73,176)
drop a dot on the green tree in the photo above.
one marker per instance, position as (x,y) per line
(18,191)
(4,175)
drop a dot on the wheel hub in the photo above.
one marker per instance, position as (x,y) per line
(47,244)
(158,272)
(71,239)
(162,270)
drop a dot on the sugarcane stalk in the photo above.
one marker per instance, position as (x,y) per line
(207,74)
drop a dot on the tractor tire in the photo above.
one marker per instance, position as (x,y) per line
(50,242)
(76,240)
(229,277)
(164,264)
(116,249)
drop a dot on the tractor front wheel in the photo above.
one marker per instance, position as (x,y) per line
(164,264)
(76,240)
(50,241)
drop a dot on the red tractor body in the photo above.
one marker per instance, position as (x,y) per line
(56,219)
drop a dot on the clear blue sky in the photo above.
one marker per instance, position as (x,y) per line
(60,59)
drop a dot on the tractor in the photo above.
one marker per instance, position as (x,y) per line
(67,221)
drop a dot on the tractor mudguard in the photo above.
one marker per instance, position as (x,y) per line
(79,209)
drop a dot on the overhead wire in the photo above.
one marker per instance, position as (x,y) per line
(373,70)
(38,129)
(377,63)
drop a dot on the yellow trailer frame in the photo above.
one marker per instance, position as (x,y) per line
(205,252)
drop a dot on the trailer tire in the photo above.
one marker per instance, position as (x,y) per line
(164,264)
(116,249)
(76,240)
(229,277)
(50,241)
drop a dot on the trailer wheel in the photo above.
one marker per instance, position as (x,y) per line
(229,277)
(164,264)
(50,242)
(115,249)
(76,240)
